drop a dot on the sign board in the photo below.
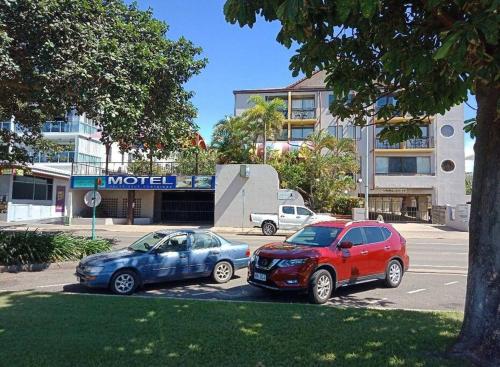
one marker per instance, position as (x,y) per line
(462,213)
(358,213)
(60,198)
(287,195)
(89,199)
(144,182)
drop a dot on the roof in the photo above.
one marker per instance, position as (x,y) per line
(315,82)
(345,223)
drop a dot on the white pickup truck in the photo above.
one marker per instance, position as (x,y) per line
(289,217)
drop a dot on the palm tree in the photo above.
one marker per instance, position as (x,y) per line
(231,140)
(330,165)
(265,119)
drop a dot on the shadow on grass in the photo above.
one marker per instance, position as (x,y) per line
(39,329)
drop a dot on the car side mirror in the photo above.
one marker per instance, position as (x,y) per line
(345,244)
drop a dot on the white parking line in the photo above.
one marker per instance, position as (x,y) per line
(376,301)
(450,283)
(439,266)
(416,291)
(53,285)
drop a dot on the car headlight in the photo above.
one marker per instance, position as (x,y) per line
(92,269)
(291,262)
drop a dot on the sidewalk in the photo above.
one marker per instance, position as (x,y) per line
(412,230)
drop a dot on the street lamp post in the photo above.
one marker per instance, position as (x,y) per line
(366,178)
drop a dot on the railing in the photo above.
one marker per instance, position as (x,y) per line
(417,143)
(303,114)
(137,168)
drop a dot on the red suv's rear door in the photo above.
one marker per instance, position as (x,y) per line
(377,248)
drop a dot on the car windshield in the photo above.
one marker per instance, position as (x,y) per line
(315,236)
(144,244)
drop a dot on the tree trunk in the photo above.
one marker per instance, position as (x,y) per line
(151,164)
(107,147)
(479,338)
(130,206)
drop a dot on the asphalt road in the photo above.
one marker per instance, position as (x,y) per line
(436,279)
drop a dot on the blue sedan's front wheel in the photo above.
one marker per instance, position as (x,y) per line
(223,272)
(124,282)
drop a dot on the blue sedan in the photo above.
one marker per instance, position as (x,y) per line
(162,256)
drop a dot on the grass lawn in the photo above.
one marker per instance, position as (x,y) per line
(38,329)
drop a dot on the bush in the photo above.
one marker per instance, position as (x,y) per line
(33,247)
(344,204)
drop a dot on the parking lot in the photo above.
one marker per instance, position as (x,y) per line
(436,279)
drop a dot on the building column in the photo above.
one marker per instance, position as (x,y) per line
(130,206)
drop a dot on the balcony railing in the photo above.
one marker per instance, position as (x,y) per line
(137,168)
(303,114)
(418,143)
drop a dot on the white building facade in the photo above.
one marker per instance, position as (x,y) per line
(405,180)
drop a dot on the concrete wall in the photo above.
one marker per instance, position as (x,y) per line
(236,197)
(457,217)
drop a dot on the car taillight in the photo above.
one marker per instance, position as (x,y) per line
(247,254)
(402,240)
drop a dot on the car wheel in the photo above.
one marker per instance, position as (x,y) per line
(124,282)
(223,272)
(393,274)
(320,287)
(269,228)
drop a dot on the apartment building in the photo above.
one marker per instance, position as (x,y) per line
(405,180)
(40,190)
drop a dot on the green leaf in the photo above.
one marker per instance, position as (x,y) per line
(443,51)
(368,7)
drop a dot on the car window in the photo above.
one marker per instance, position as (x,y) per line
(147,242)
(373,234)
(315,236)
(355,236)
(174,244)
(288,210)
(386,232)
(203,241)
(303,211)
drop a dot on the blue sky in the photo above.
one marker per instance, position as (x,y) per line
(239,58)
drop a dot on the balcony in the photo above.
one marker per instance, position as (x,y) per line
(301,114)
(417,143)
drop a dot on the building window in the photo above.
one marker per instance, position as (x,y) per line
(402,165)
(303,108)
(349,132)
(448,165)
(283,136)
(6,125)
(32,188)
(302,132)
(447,131)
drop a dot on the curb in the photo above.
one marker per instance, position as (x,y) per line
(37,267)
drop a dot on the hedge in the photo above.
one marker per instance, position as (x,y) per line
(34,247)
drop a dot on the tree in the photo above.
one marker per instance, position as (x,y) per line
(231,140)
(330,167)
(264,119)
(203,159)
(427,54)
(107,59)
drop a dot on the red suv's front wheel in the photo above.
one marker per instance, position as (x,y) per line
(320,286)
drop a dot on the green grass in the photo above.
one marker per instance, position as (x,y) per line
(39,329)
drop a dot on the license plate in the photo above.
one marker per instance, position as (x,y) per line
(260,276)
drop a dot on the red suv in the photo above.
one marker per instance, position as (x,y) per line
(324,256)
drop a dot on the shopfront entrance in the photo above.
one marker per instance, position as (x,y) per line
(187,207)
(404,208)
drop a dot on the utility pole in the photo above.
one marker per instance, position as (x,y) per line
(265,142)
(367,152)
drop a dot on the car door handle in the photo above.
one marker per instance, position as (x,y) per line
(364,252)
(282,216)
(182,256)
(214,253)
(298,217)
(387,247)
